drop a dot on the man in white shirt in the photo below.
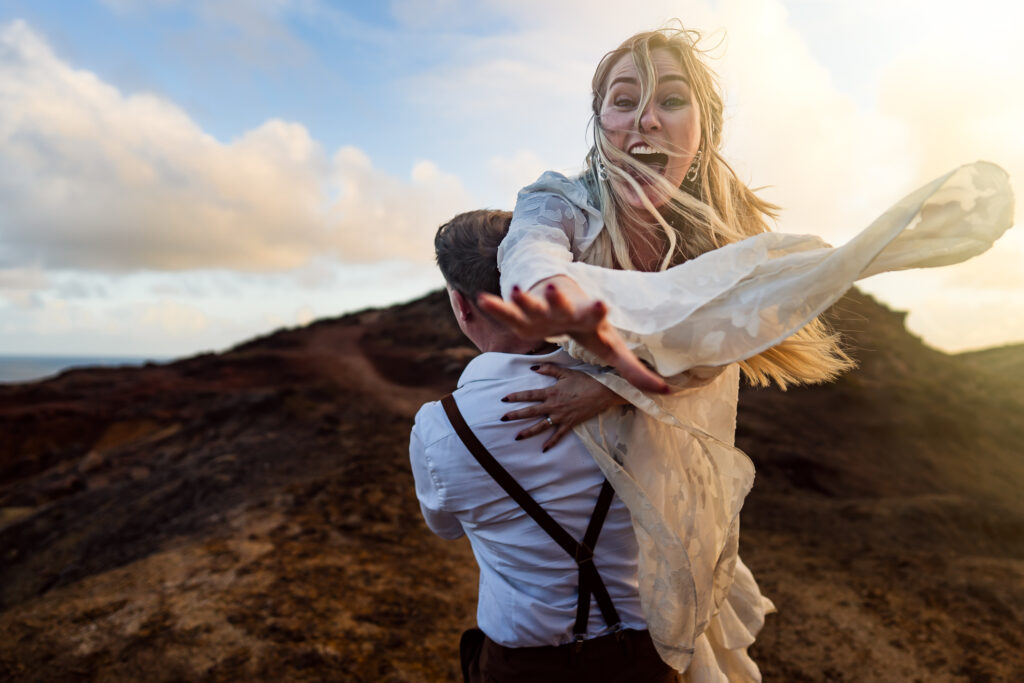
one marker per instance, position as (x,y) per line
(530,609)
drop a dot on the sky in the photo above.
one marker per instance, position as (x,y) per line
(177,176)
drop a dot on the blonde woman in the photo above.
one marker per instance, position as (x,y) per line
(659,263)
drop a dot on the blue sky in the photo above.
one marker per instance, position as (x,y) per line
(179,175)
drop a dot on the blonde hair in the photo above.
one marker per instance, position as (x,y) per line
(713,209)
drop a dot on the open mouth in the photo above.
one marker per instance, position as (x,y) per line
(650,157)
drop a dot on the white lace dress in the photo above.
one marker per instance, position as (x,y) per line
(674,463)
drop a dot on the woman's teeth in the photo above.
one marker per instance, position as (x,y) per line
(650,157)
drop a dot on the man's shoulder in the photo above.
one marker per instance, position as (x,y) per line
(485,381)
(478,394)
(430,424)
(488,367)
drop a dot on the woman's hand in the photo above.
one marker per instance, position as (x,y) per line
(574,398)
(534,317)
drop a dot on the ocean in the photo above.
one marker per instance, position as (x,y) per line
(28,368)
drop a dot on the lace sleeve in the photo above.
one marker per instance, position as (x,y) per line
(734,302)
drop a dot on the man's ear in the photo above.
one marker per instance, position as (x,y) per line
(463,308)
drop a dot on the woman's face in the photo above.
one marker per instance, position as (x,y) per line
(670,122)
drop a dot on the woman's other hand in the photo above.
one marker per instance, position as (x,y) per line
(557,313)
(574,398)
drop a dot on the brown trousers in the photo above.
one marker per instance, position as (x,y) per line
(622,657)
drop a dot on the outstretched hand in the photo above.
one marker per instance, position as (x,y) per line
(533,317)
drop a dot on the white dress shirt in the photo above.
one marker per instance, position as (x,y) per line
(528,583)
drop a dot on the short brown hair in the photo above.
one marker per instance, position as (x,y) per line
(467,251)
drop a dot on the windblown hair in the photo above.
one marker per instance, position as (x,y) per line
(714,209)
(466,248)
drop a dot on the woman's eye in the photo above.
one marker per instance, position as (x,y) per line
(675,101)
(623,102)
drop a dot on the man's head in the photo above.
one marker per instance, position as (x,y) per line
(466,248)
(467,253)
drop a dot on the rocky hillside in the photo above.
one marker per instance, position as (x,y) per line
(251,515)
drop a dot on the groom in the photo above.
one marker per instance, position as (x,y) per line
(558,596)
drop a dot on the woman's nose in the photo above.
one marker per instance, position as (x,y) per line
(649,119)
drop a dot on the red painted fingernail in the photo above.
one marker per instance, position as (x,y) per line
(535,367)
(515,289)
(544,450)
(505,399)
(551,288)
(504,418)
(519,437)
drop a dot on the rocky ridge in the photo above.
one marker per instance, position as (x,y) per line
(251,515)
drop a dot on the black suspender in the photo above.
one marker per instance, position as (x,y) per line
(583,553)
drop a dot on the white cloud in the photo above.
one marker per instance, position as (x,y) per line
(173,318)
(305,315)
(21,286)
(1001,268)
(92,178)
(953,91)
(829,164)
(952,317)
(957,95)
(516,171)
(173,314)
(382,217)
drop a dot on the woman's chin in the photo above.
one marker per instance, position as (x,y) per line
(635,203)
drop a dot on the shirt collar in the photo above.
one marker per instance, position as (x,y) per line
(493,365)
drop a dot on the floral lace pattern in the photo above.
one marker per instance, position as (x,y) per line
(674,463)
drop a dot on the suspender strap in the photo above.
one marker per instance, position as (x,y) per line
(589,580)
(583,553)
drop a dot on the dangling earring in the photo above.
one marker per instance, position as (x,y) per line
(694,170)
(602,171)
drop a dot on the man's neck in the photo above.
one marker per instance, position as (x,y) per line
(509,343)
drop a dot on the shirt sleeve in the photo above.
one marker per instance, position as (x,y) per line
(441,522)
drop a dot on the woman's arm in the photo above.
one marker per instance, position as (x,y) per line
(574,398)
(558,306)
(736,301)
(553,223)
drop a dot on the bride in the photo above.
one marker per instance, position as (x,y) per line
(658,263)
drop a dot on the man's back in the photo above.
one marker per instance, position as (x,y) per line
(528,584)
